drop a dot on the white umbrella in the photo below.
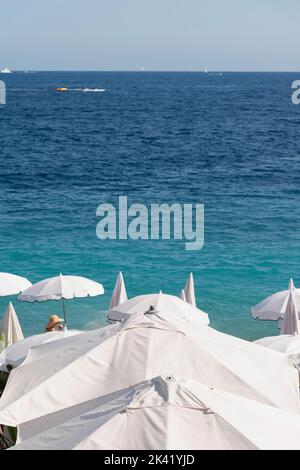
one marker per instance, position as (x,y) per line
(119,294)
(109,359)
(163,302)
(10,284)
(286,344)
(16,353)
(290,323)
(165,413)
(274,306)
(10,328)
(182,295)
(189,291)
(61,288)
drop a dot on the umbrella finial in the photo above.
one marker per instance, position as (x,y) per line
(151,310)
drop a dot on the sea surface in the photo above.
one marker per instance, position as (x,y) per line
(230,142)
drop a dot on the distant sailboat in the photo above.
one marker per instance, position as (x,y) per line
(206,70)
(142,69)
(6,70)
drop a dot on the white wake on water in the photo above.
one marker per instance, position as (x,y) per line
(94,90)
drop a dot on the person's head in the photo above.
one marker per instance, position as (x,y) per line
(53,322)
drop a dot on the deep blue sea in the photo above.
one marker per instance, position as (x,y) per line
(230,142)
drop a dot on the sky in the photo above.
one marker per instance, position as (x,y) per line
(246,35)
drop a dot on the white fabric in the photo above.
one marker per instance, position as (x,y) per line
(99,362)
(182,295)
(62,287)
(165,413)
(165,303)
(290,323)
(10,328)
(16,353)
(10,284)
(189,291)
(286,344)
(119,294)
(274,306)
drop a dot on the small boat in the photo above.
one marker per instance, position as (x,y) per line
(6,70)
(61,89)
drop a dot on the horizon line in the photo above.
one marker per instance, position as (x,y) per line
(153,71)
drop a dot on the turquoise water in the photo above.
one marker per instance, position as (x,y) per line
(230,142)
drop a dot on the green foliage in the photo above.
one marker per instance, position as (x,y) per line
(8,437)
(3,380)
(12,432)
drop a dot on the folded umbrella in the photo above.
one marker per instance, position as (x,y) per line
(189,290)
(10,328)
(290,324)
(119,294)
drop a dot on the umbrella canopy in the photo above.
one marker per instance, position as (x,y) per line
(286,344)
(290,324)
(10,284)
(119,294)
(162,302)
(189,291)
(109,359)
(16,353)
(61,287)
(165,413)
(274,306)
(10,328)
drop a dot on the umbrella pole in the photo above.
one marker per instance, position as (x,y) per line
(64,312)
